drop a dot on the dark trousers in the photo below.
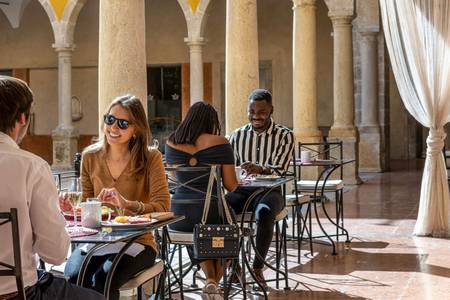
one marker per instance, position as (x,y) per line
(266,206)
(99,267)
(50,287)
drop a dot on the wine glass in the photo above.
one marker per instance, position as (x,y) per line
(155,145)
(75,196)
(57,182)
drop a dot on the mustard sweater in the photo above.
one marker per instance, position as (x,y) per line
(150,187)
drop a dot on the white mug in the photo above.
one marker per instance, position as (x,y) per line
(240,173)
(305,156)
(91,213)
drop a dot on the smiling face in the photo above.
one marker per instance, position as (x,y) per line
(259,112)
(115,135)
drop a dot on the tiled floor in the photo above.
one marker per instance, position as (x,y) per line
(384,260)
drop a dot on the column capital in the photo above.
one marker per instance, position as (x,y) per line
(199,41)
(341,20)
(304,4)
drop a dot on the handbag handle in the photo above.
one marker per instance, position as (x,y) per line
(212,176)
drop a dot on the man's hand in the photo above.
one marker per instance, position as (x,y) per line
(252,168)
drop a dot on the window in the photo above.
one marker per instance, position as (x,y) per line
(163,100)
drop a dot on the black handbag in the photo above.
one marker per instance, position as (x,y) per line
(216,240)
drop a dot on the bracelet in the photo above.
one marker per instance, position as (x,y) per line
(141,207)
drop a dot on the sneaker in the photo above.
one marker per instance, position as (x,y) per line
(260,278)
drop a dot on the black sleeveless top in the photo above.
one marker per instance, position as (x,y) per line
(220,154)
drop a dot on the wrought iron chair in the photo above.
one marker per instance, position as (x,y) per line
(183,239)
(316,189)
(16,269)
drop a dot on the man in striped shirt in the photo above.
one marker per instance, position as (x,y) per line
(261,147)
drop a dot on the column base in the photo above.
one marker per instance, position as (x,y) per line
(370,149)
(65,145)
(350,138)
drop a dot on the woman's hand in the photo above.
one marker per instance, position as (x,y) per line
(113,197)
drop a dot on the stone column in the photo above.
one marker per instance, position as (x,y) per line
(369,129)
(241,60)
(122,64)
(196,68)
(305,72)
(65,136)
(343,98)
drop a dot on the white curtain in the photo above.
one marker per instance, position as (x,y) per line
(417,35)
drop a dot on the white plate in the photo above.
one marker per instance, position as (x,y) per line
(125,226)
(267,177)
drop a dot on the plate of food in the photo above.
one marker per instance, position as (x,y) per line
(267,177)
(129,222)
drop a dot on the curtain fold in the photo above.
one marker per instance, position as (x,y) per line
(417,34)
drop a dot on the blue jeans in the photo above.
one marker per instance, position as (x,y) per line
(268,206)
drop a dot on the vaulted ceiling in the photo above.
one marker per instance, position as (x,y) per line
(13,9)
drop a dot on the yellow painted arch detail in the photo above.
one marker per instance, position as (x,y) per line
(194,4)
(58,7)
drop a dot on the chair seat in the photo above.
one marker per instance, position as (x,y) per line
(291,200)
(281,215)
(247,217)
(180,237)
(330,185)
(144,276)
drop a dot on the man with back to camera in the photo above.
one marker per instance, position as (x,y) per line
(261,147)
(26,183)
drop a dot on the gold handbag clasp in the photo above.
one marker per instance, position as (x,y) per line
(218,242)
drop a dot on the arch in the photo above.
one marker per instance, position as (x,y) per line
(195,15)
(63,23)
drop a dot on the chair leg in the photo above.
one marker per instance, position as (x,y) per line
(243,275)
(294,212)
(299,229)
(139,292)
(180,266)
(284,241)
(309,216)
(336,197)
(277,254)
(194,277)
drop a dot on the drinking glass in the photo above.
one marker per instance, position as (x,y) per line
(155,145)
(75,196)
(57,182)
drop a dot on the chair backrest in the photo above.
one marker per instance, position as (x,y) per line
(174,183)
(16,269)
(325,150)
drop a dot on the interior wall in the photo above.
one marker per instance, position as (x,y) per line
(30,46)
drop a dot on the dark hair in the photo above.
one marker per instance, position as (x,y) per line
(138,144)
(259,95)
(201,118)
(15,98)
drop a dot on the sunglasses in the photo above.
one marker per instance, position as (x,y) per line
(121,123)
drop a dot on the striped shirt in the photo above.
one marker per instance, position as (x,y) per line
(270,149)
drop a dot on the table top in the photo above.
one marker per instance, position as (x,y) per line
(267,184)
(107,236)
(323,162)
